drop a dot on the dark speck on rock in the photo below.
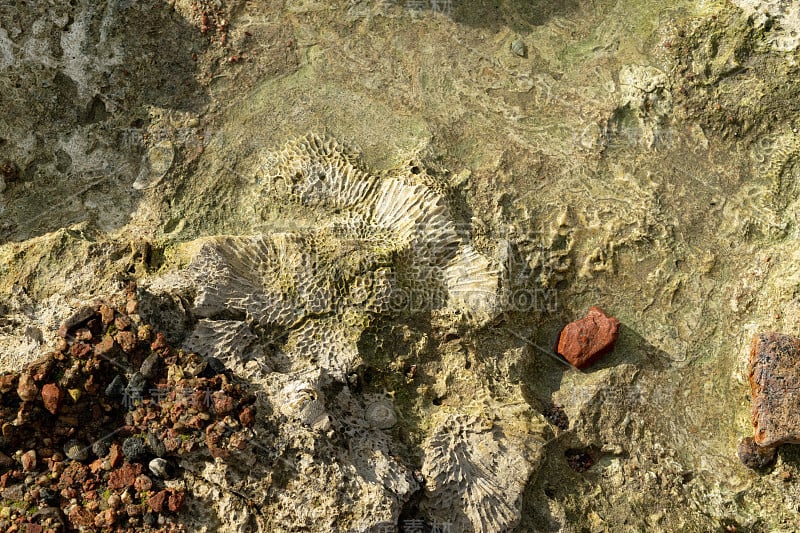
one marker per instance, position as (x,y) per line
(216,366)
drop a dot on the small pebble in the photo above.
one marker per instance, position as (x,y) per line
(116,389)
(134,449)
(160,467)
(28,460)
(114,501)
(156,446)
(127,497)
(100,448)
(150,366)
(519,48)
(76,450)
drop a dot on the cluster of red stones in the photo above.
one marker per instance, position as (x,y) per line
(88,442)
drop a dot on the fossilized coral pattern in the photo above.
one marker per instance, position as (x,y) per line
(476,472)
(387,245)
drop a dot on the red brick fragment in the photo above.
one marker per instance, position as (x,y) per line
(115,456)
(775,388)
(585,341)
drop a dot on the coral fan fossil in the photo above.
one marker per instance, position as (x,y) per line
(382,247)
(386,245)
(476,469)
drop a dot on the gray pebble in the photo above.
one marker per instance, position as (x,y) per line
(156,446)
(100,448)
(134,449)
(151,366)
(116,389)
(76,450)
(137,383)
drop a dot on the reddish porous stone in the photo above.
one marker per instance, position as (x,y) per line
(122,322)
(52,396)
(106,314)
(175,501)
(105,346)
(159,343)
(126,340)
(223,404)
(143,483)
(125,476)
(105,519)
(247,417)
(80,350)
(81,517)
(775,388)
(157,501)
(585,341)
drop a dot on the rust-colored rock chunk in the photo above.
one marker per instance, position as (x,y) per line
(585,341)
(175,501)
(125,476)
(52,396)
(775,388)
(126,340)
(157,501)
(106,314)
